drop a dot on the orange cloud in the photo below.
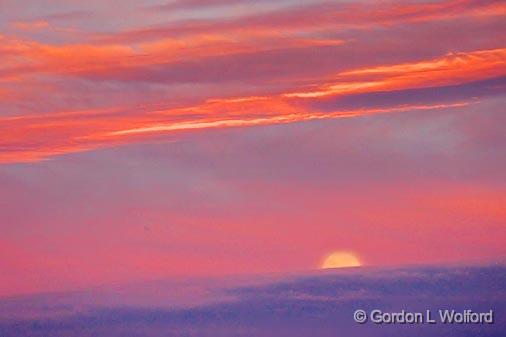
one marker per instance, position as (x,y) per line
(320,16)
(27,58)
(229,46)
(194,40)
(450,69)
(31,25)
(35,138)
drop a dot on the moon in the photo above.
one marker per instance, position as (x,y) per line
(341,259)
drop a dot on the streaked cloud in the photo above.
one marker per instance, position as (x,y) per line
(273,66)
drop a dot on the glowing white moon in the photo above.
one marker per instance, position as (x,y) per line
(341,259)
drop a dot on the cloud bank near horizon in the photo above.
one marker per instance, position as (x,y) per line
(300,305)
(199,138)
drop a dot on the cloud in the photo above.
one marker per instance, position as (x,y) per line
(32,138)
(194,4)
(79,131)
(288,63)
(304,305)
(450,69)
(321,15)
(31,25)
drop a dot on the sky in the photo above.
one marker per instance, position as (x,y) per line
(150,139)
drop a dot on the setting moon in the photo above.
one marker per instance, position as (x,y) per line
(341,259)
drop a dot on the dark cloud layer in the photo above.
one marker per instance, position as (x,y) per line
(161,138)
(318,304)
